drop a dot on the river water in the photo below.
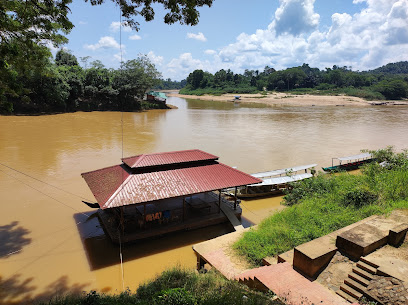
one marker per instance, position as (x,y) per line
(52,243)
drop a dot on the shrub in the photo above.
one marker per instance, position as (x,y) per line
(175,296)
(359,196)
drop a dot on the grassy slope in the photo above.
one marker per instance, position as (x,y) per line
(177,286)
(325,204)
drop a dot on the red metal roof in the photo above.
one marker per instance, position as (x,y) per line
(104,182)
(108,189)
(167,158)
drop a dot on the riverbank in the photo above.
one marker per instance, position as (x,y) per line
(286,99)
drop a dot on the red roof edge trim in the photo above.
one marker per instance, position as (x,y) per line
(100,169)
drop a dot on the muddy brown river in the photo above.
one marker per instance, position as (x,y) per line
(50,242)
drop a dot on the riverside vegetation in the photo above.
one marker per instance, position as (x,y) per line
(177,286)
(327,203)
(387,82)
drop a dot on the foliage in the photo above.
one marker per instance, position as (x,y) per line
(184,12)
(177,286)
(64,86)
(302,79)
(394,89)
(326,203)
(393,68)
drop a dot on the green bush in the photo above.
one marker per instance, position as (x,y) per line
(359,196)
(175,296)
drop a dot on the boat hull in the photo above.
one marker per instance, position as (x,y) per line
(347,166)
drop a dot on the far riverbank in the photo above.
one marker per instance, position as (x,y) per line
(286,99)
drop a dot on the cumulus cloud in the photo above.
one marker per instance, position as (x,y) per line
(156,59)
(375,36)
(115,26)
(135,37)
(200,36)
(210,52)
(295,17)
(106,42)
(368,39)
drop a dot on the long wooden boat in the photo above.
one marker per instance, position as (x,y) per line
(274,182)
(349,163)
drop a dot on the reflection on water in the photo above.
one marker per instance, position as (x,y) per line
(48,238)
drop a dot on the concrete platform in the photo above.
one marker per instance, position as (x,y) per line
(310,258)
(369,236)
(286,257)
(218,253)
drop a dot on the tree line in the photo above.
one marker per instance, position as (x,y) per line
(387,82)
(30,82)
(63,85)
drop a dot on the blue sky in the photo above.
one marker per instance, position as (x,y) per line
(239,35)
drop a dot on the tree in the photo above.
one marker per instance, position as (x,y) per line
(182,11)
(65,58)
(394,89)
(133,80)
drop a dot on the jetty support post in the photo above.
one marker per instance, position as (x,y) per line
(219,201)
(184,207)
(144,215)
(235,198)
(200,262)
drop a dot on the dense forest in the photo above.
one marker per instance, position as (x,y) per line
(31,81)
(387,82)
(63,85)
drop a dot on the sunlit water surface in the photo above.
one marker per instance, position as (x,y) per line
(51,243)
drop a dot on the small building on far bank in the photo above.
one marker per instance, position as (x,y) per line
(155,96)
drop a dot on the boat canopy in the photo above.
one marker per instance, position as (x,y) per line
(284,179)
(355,157)
(282,171)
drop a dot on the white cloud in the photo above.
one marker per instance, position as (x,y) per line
(210,52)
(83,22)
(135,37)
(295,17)
(156,59)
(200,36)
(115,26)
(106,42)
(375,36)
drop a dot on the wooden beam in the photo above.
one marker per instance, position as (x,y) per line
(184,207)
(235,198)
(219,201)
(144,215)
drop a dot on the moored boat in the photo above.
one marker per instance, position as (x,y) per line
(274,182)
(349,163)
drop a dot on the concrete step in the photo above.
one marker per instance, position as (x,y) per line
(363,273)
(366,267)
(355,285)
(346,296)
(354,293)
(358,278)
(364,260)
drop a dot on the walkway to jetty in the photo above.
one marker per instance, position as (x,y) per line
(293,276)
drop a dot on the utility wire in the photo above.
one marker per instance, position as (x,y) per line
(56,187)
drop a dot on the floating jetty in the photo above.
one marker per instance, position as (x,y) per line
(155,194)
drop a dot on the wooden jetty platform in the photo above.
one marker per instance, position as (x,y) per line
(155,194)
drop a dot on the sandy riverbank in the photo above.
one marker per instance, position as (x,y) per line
(284,99)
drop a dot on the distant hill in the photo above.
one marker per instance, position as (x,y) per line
(393,68)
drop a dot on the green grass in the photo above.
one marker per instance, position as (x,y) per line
(327,203)
(177,286)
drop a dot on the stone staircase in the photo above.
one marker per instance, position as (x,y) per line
(355,285)
(289,285)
